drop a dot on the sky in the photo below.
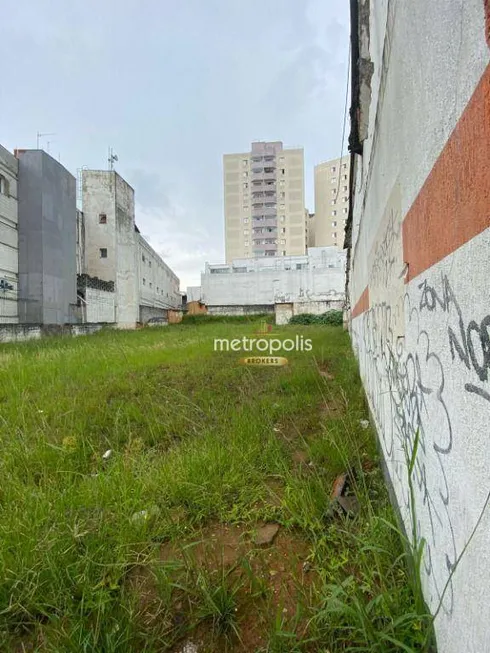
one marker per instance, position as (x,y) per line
(171,86)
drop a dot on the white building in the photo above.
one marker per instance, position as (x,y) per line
(9,242)
(315,280)
(158,284)
(116,252)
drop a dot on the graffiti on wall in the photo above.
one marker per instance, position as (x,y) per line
(406,392)
(469,342)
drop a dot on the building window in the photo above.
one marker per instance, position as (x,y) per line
(151,285)
(345,188)
(334,224)
(344,199)
(4,186)
(246,243)
(334,234)
(333,169)
(283,230)
(344,166)
(283,242)
(102,218)
(245,174)
(334,212)
(245,161)
(143,258)
(283,252)
(344,210)
(333,202)
(333,180)
(149,263)
(282,218)
(103,252)
(344,177)
(245,185)
(144,281)
(245,232)
(245,220)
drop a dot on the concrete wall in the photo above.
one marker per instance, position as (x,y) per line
(99,306)
(47,240)
(419,287)
(9,241)
(148,312)
(22,332)
(319,276)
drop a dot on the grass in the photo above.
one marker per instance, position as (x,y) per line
(154,546)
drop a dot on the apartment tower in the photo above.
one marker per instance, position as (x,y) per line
(264,202)
(331,202)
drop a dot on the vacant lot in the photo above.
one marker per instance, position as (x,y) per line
(138,471)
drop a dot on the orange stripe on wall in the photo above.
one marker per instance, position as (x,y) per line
(453,205)
(362,303)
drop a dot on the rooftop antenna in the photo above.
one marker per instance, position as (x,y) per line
(41,134)
(112,158)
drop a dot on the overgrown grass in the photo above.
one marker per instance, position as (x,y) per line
(105,554)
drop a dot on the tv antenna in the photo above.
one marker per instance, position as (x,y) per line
(112,158)
(41,135)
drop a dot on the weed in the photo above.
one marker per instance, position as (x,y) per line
(196,440)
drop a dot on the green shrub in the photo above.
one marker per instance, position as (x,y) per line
(332,318)
(208,319)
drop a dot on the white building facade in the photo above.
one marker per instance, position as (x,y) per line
(9,240)
(318,277)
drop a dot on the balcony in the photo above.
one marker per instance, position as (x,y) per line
(263,175)
(265,231)
(270,247)
(264,222)
(263,212)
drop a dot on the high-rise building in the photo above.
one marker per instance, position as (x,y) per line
(264,202)
(331,202)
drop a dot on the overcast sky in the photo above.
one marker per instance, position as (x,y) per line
(172,85)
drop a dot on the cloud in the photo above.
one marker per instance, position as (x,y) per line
(183,243)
